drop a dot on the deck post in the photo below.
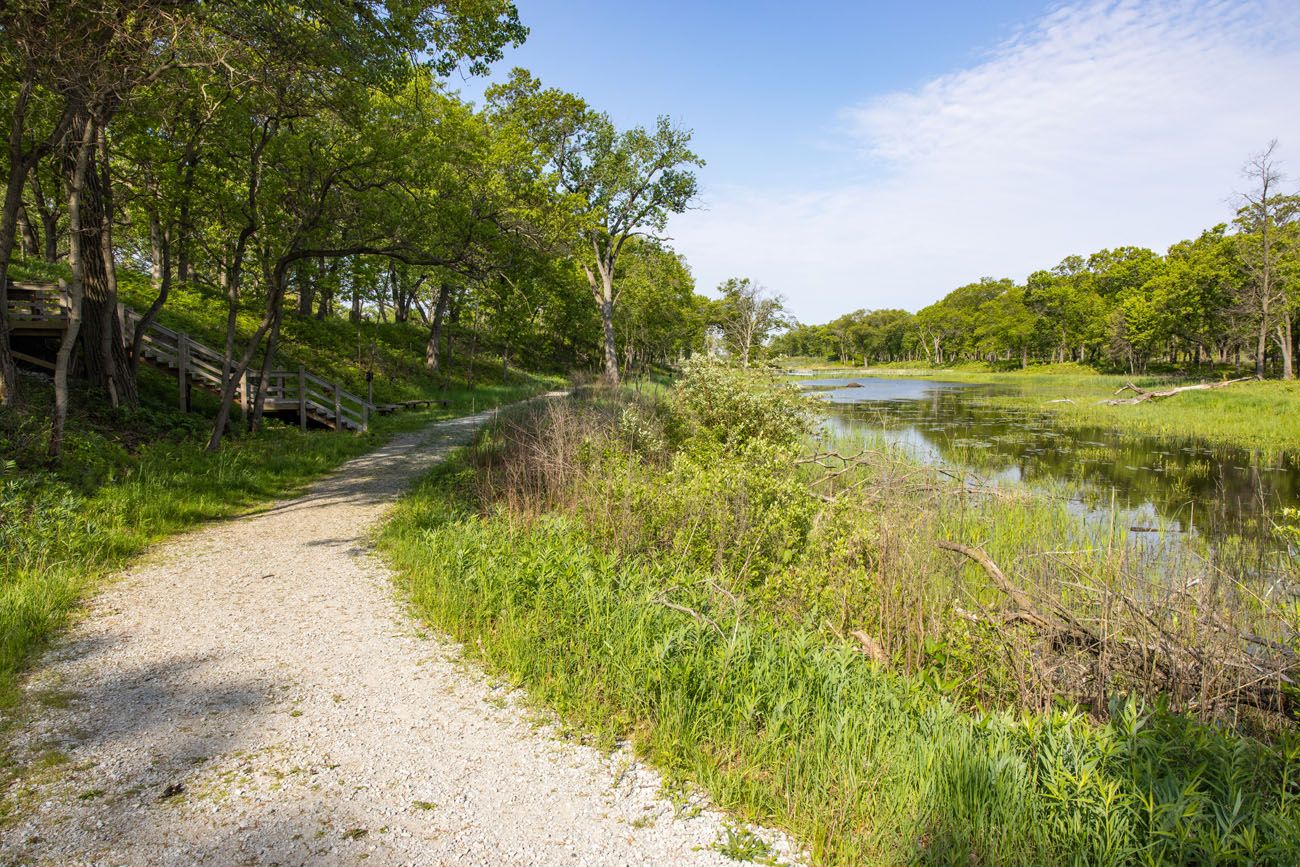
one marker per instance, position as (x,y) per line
(302,397)
(243,394)
(183,370)
(338,408)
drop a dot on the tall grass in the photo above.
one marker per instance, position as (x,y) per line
(781,725)
(784,627)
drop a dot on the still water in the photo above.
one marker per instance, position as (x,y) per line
(1173,485)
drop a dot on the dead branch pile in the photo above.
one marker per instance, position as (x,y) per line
(1167,640)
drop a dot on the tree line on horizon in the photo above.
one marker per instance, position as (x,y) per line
(1229,296)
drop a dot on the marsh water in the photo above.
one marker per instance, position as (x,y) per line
(1157,485)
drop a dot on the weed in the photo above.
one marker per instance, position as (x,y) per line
(742,844)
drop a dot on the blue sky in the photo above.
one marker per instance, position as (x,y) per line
(880,154)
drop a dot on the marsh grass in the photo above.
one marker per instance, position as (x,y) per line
(780,626)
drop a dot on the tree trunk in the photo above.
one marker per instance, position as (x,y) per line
(607,327)
(31,243)
(8,225)
(325,306)
(184,227)
(268,364)
(1284,343)
(77,258)
(103,346)
(18,168)
(431,356)
(1261,344)
(232,277)
(306,291)
(602,289)
(47,211)
(160,273)
(473,353)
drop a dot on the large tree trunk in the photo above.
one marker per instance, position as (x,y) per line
(103,346)
(79,252)
(601,282)
(431,355)
(8,224)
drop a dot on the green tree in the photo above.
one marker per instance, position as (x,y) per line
(618,185)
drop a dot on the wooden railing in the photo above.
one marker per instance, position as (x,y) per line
(316,399)
(36,307)
(40,309)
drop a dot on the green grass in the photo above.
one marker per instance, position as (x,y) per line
(131,478)
(793,637)
(781,725)
(1263,415)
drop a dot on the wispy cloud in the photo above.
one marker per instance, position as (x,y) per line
(1101,124)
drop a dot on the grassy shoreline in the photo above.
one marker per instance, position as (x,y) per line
(707,610)
(1256,415)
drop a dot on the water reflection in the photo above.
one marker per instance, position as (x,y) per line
(1156,482)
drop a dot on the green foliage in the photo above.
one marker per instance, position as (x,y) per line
(782,726)
(729,406)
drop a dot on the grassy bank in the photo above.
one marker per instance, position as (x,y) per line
(130,478)
(786,632)
(335,348)
(1263,415)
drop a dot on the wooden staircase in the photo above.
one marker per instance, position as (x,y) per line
(39,311)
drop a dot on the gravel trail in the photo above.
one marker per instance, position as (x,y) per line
(251,693)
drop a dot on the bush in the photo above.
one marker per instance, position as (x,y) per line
(732,406)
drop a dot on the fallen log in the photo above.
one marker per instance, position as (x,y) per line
(1144,395)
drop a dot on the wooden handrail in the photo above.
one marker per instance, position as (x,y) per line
(198,364)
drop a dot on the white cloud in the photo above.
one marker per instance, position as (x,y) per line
(1102,124)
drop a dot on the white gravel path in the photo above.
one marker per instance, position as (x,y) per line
(251,693)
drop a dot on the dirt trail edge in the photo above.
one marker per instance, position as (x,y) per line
(252,693)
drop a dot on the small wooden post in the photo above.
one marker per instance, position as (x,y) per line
(365,416)
(244,399)
(302,397)
(338,408)
(183,370)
